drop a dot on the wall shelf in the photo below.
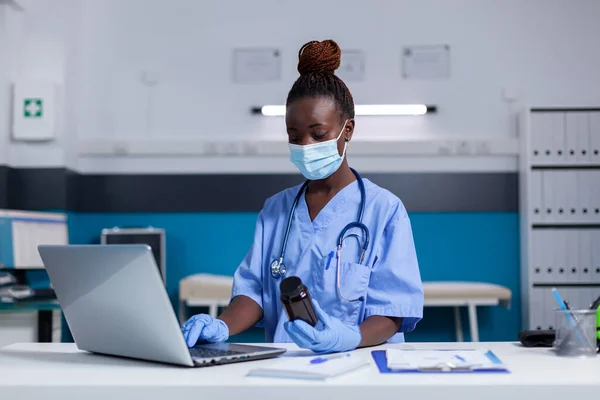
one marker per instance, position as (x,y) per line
(559,186)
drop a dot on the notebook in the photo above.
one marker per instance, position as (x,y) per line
(446,360)
(312,368)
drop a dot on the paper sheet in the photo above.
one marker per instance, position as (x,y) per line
(302,368)
(427,359)
(426,62)
(27,235)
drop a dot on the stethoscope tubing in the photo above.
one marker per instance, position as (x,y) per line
(277,266)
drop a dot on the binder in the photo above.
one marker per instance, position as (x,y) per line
(537,143)
(557,127)
(554,237)
(560,250)
(572,137)
(583,138)
(546,256)
(578,133)
(595,258)
(537,206)
(595,198)
(547,138)
(595,137)
(548,309)
(572,250)
(535,308)
(560,195)
(583,195)
(585,249)
(548,197)
(537,267)
(571,193)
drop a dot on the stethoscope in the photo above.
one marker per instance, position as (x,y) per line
(278,269)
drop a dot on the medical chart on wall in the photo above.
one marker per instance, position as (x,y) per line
(256,65)
(352,66)
(426,62)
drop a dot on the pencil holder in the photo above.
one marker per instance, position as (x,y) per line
(575,333)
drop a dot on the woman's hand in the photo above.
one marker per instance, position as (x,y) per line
(206,328)
(328,336)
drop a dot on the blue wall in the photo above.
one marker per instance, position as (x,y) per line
(450,246)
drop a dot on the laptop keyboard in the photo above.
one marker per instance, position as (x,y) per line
(200,352)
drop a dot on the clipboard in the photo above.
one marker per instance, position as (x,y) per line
(379,356)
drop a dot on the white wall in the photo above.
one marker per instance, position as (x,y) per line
(34,45)
(3,90)
(545,49)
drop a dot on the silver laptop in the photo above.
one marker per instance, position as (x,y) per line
(115,303)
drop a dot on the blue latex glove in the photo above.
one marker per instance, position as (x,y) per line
(330,335)
(206,328)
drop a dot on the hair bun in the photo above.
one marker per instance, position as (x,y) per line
(317,57)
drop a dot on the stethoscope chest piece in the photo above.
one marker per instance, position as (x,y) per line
(277,269)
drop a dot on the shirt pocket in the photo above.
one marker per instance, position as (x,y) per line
(354,283)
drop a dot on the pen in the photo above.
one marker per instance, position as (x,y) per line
(460,358)
(563,306)
(320,360)
(329,260)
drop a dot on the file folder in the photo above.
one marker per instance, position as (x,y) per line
(537,137)
(595,138)
(537,206)
(572,197)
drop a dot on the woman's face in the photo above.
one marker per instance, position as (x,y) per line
(316,119)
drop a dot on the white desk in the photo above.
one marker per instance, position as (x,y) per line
(214,291)
(60,372)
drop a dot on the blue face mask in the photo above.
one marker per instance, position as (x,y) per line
(319,160)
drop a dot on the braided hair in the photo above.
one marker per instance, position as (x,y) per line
(317,62)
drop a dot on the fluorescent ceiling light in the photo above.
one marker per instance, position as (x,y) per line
(273,111)
(360,109)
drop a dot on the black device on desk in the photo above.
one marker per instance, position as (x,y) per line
(537,338)
(545,338)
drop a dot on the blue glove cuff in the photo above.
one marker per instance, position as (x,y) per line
(350,341)
(222,333)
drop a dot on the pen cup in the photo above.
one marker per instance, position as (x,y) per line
(575,333)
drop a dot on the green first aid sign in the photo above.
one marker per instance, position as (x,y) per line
(33,108)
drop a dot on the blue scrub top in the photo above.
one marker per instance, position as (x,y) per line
(388,279)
